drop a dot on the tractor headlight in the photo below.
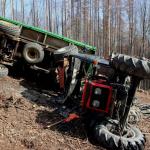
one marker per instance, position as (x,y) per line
(98,91)
(97,96)
(96,103)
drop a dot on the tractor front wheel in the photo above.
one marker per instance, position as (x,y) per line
(107,136)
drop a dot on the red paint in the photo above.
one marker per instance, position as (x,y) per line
(93,84)
(71,117)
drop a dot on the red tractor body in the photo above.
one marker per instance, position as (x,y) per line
(97,96)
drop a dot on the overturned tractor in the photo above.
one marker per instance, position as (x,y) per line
(104,97)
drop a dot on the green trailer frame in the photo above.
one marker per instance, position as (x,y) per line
(47,39)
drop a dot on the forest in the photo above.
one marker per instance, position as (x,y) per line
(111,25)
(121,26)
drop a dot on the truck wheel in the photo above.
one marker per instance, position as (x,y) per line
(9,28)
(131,65)
(33,53)
(106,136)
(3,71)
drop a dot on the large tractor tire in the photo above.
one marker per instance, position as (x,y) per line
(106,136)
(3,71)
(131,65)
(33,53)
(9,28)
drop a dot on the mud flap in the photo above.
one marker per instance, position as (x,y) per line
(71,81)
(71,77)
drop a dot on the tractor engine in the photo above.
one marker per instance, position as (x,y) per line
(97,96)
(104,98)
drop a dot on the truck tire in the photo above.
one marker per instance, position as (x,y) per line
(131,65)
(3,71)
(33,53)
(132,140)
(9,28)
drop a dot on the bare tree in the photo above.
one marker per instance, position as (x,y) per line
(12,8)
(145,23)
(131,25)
(47,15)
(22,9)
(3,5)
(106,4)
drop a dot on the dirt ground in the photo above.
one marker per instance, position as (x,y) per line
(28,120)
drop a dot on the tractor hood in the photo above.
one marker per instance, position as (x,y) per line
(97,60)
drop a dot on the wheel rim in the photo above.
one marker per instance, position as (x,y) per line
(2,67)
(129,133)
(114,129)
(33,53)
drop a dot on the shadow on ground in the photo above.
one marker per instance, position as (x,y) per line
(39,90)
(38,87)
(53,121)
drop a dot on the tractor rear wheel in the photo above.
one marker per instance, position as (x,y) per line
(107,136)
(131,65)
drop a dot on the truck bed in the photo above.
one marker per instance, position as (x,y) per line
(47,39)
